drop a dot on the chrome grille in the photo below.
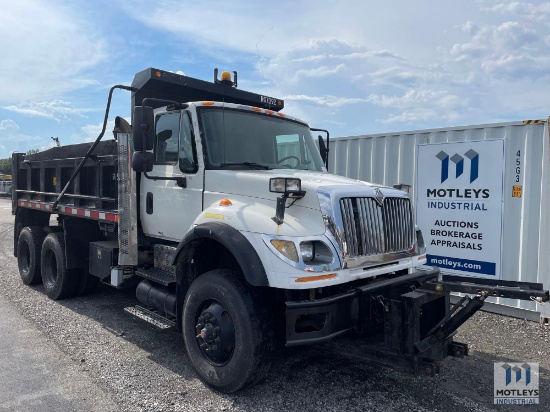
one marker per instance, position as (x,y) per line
(370,229)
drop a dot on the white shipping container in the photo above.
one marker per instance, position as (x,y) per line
(5,187)
(391,158)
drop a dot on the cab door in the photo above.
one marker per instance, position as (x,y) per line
(169,207)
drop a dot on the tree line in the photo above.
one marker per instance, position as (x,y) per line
(5,164)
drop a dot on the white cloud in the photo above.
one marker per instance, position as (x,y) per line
(418,90)
(421,105)
(322,71)
(509,50)
(404,76)
(539,11)
(323,58)
(250,27)
(414,97)
(469,27)
(8,124)
(350,56)
(12,140)
(412,115)
(46,50)
(56,109)
(329,101)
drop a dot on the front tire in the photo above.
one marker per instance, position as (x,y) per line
(59,282)
(227,331)
(29,246)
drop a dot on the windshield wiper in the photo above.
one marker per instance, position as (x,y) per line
(251,165)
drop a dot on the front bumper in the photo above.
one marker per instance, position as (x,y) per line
(407,320)
(344,312)
(394,314)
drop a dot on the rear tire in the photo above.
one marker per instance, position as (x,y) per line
(59,282)
(227,331)
(29,246)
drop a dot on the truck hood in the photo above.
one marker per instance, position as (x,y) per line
(255,183)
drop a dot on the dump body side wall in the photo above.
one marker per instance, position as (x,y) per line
(40,177)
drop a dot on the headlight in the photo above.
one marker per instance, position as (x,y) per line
(285,185)
(304,253)
(286,248)
(307,250)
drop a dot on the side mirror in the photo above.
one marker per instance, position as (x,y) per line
(142,161)
(323,149)
(143,128)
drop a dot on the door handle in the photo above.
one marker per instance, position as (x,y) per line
(149,203)
(181,182)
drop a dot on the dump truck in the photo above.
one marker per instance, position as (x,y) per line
(218,209)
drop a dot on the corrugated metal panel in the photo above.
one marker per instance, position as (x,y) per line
(5,187)
(391,158)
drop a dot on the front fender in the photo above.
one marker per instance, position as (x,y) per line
(233,240)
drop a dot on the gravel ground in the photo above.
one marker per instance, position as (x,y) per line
(146,369)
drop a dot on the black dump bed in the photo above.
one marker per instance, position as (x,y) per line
(38,178)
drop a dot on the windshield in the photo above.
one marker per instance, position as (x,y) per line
(247,140)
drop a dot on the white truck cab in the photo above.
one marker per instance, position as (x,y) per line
(232,156)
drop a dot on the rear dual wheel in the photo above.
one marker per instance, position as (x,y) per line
(59,282)
(29,245)
(41,258)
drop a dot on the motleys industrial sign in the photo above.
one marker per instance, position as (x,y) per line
(459,189)
(516,383)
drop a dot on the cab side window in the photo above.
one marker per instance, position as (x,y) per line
(188,152)
(167,138)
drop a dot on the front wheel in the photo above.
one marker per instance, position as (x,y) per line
(227,331)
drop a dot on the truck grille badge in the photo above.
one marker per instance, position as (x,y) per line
(379,196)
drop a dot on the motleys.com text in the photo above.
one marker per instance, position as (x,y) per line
(454,264)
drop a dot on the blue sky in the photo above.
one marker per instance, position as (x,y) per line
(353,67)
